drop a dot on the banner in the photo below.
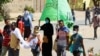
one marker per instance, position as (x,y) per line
(57,10)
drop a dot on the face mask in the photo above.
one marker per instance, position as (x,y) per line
(74,32)
(47,21)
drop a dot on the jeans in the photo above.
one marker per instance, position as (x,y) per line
(61,50)
(34,52)
(13,52)
(4,50)
(87,18)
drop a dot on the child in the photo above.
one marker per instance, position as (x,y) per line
(77,42)
(34,42)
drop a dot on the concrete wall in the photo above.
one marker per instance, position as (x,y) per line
(19,5)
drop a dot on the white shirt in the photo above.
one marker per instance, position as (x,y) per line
(33,42)
(18,35)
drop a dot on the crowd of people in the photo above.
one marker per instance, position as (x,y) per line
(23,33)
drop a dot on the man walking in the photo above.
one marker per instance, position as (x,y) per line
(16,38)
(62,39)
(27,24)
(87,16)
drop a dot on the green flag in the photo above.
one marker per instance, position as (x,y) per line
(56,10)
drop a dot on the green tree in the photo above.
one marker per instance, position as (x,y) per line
(96,2)
(2,2)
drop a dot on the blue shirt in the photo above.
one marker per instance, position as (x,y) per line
(76,38)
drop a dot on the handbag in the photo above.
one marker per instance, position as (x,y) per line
(45,39)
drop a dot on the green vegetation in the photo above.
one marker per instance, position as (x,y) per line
(2,14)
(1,18)
(29,8)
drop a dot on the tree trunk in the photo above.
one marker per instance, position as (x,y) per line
(95,2)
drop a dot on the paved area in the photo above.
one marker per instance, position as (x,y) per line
(85,30)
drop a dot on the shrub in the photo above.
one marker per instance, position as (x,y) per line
(29,8)
(1,18)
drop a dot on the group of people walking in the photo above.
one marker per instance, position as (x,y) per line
(95,19)
(13,35)
(22,32)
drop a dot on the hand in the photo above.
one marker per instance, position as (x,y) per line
(15,49)
(45,39)
(84,54)
(40,48)
(67,48)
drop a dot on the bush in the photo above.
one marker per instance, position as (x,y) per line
(29,8)
(1,18)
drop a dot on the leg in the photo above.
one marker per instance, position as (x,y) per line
(1,39)
(95,32)
(58,50)
(13,52)
(35,53)
(47,48)
(86,21)
(63,51)
(44,51)
(4,50)
(10,52)
(27,32)
(50,48)
(16,52)
(74,18)
(89,20)
(76,53)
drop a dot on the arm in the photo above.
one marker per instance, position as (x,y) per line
(52,29)
(4,33)
(19,36)
(39,41)
(83,48)
(70,42)
(92,21)
(67,38)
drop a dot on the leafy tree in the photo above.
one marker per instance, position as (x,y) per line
(2,2)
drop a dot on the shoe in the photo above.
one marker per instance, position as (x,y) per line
(93,38)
